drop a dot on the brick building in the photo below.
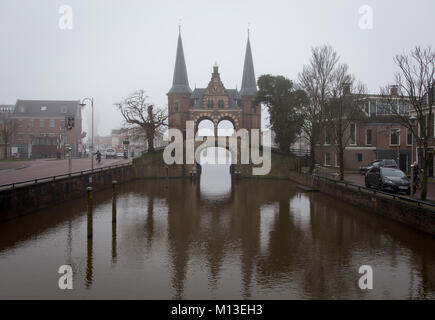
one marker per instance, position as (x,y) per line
(379,134)
(40,128)
(215,102)
(6,129)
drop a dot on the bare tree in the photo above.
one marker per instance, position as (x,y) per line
(343,108)
(414,87)
(6,130)
(316,79)
(137,112)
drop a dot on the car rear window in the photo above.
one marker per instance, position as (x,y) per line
(390,162)
(389,172)
(110,150)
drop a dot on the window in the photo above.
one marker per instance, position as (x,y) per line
(383,107)
(221,104)
(359,157)
(366,108)
(409,137)
(336,160)
(22,109)
(176,107)
(395,137)
(19,136)
(352,139)
(327,159)
(210,104)
(369,137)
(30,123)
(327,138)
(403,107)
(63,109)
(51,123)
(44,108)
(19,123)
(41,123)
(373,108)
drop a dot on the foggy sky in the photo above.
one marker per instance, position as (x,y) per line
(117,47)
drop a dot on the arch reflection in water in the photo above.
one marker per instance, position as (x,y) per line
(215,180)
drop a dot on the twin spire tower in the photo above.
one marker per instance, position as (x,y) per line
(215,102)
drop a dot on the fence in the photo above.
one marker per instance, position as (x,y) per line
(13,185)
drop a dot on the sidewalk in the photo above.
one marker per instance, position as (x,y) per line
(43,168)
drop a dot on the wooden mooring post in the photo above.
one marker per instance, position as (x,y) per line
(90,204)
(114,191)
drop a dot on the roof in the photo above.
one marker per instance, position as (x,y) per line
(249,83)
(7,108)
(180,82)
(198,94)
(46,108)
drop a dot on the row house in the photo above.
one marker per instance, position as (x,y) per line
(40,130)
(379,134)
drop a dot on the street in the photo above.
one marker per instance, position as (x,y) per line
(359,179)
(16,171)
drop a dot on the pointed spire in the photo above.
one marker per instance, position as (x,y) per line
(249,83)
(180,82)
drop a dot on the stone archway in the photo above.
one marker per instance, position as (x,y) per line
(216,117)
(225,120)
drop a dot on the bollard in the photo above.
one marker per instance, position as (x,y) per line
(90,203)
(114,183)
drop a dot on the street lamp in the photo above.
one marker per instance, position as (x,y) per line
(83,104)
(412,123)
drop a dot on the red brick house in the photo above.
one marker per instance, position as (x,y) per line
(40,128)
(377,135)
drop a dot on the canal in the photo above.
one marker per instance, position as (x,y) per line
(214,239)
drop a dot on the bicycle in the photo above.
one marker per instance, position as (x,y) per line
(417,184)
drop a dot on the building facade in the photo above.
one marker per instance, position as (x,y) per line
(215,102)
(40,130)
(379,134)
(6,130)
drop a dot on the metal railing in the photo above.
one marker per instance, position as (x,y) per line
(357,187)
(12,185)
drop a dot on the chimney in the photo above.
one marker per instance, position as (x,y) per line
(346,88)
(394,90)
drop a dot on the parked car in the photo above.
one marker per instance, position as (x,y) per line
(110,153)
(387,163)
(388,179)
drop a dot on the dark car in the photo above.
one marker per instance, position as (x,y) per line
(388,179)
(387,163)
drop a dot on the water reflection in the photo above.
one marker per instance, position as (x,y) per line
(89,263)
(184,240)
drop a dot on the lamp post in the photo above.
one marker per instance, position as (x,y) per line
(413,123)
(83,104)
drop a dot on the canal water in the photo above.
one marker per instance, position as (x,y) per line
(214,239)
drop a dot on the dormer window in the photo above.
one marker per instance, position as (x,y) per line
(22,109)
(63,109)
(44,108)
